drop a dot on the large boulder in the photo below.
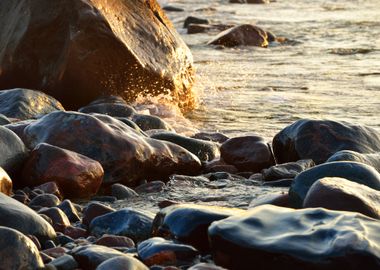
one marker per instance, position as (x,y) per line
(372,159)
(320,139)
(340,194)
(77,50)
(17,251)
(26,104)
(272,238)
(77,176)
(16,215)
(126,156)
(353,171)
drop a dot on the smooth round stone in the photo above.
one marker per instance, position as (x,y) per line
(275,198)
(127,222)
(65,262)
(204,150)
(17,251)
(320,139)
(125,262)
(90,257)
(158,251)
(206,266)
(188,223)
(148,122)
(247,153)
(69,209)
(5,182)
(57,216)
(353,171)
(241,35)
(111,109)
(93,210)
(272,238)
(115,241)
(347,155)
(213,137)
(44,200)
(122,192)
(24,104)
(191,20)
(76,175)
(287,170)
(340,194)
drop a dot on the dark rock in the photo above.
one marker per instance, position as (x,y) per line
(188,223)
(249,1)
(106,199)
(75,232)
(241,35)
(134,224)
(214,137)
(125,156)
(271,37)
(353,171)
(50,188)
(111,109)
(122,192)
(17,251)
(219,165)
(279,183)
(151,187)
(341,194)
(89,257)
(64,239)
(206,266)
(198,28)
(4,120)
(5,182)
(286,170)
(66,262)
(93,210)
(115,241)
(125,262)
(69,209)
(44,200)
(148,122)
(190,20)
(204,150)
(49,244)
(248,153)
(57,216)
(56,252)
(173,9)
(76,175)
(281,238)
(25,104)
(320,139)
(35,241)
(277,199)
(158,251)
(13,151)
(347,155)
(72,51)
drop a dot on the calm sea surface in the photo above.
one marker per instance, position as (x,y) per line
(330,70)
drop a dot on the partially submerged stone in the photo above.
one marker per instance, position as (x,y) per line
(286,170)
(273,238)
(372,159)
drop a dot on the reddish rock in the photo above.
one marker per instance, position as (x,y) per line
(336,193)
(126,157)
(94,210)
(5,182)
(77,50)
(248,153)
(76,175)
(241,35)
(115,241)
(75,232)
(55,252)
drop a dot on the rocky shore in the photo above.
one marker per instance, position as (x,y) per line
(102,185)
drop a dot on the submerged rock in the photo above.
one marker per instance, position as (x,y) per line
(320,139)
(17,251)
(353,171)
(16,215)
(25,104)
(191,20)
(134,224)
(158,251)
(286,170)
(340,194)
(273,238)
(241,35)
(125,156)
(77,176)
(248,153)
(77,51)
(347,155)
(188,223)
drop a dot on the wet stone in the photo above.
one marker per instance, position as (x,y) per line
(105,199)
(17,251)
(127,222)
(148,122)
(93,210)
(188,223)
(214,137)
(353,171)
(274,238)
(191,20)
(125,262)
(341,194)
(69,209)
(65,262)
(158,251)
(122,192)
(57,216)
(286,170)
(276,198)
(347,155)
(206,266)
(51,188)
(90,257)
(44,200)
(111,109)
(115,241)
(150,187)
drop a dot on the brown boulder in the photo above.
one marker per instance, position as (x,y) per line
(77,50)
(336,193)
(77,176)
(5,182)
